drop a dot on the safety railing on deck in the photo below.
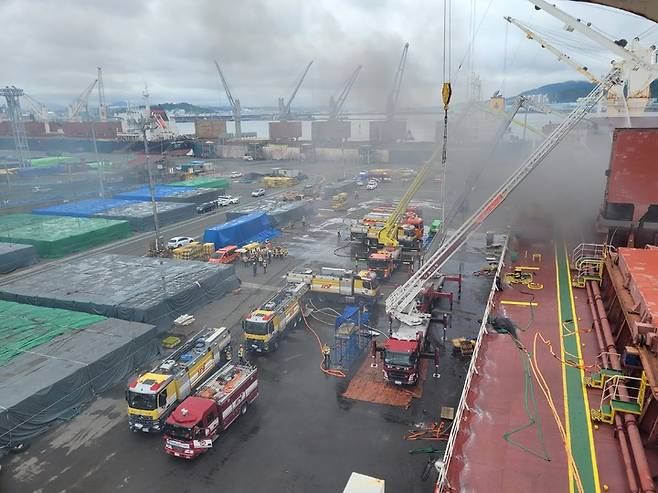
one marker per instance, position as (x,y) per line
(442,480)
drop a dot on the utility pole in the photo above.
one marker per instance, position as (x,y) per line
(101,191)
(158,239)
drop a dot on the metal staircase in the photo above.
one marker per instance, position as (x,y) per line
(587,260)
(612,401)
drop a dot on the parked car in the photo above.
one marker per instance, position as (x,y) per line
(207,207)
(224,200)
(236,174)
(371,185)
(247,157)
(258,193)
(179,241)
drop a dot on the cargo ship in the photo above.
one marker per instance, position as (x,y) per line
(561,392)
(121,135)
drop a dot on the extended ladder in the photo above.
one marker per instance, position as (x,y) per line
(401,301)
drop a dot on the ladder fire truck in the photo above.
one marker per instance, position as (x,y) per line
(264,327)
(409,324)
(153,395)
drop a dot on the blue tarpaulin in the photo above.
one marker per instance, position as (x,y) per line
(82,208)
(354,314)
(240,231)
(161,191)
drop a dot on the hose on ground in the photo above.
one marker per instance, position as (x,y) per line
(326,371)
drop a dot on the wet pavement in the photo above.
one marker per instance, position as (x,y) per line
(300,435)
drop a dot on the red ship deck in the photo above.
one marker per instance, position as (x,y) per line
(509,436)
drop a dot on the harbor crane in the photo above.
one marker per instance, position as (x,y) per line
(394,95)
(336,104)
(82,101)
(40,110)
(401,304)
(235,103)
(284,108)
(638,63)
(102,107)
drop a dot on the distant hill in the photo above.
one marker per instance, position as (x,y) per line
(562,92)
(189,108)
(571,90)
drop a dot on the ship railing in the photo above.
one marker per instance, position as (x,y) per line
(442,481)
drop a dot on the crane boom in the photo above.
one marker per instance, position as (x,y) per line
(286,108)
(336,106)
(40,110)
(235,103)
(82,100)
(401,302)
(560,56)
(575,24)
(394,95)
(102,107)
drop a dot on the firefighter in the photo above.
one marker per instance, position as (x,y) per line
(326,351)
(229,354)
(264,266)
(304,222)
(338,234)
(241,354)
(255,266)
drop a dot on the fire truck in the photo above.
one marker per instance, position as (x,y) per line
(153,396)
(342,282)
(403,351)
(197,422)
(264,327)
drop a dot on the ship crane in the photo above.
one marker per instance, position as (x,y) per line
(235,103)
(638,62)
(40,110)
(560,56)
(81,101)
(336,104)
(394,95)
(284,108)
(401,303)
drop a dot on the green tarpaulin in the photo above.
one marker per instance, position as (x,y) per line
(203,183)
(24,327)
(44,162)
(55,236)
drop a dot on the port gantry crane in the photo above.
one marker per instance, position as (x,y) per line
(235,104)
(336,104)
(40,110)
(394,95)
(401,303)
(81,101)
(284,108)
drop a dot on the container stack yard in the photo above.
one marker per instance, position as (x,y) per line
(402,290)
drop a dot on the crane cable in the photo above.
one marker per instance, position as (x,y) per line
(446,94)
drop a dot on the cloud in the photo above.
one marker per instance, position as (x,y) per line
(263,45)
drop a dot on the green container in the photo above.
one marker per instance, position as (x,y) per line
(56,236)
(203,183)
(45,162)
(24,327)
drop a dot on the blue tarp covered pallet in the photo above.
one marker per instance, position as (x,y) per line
(240,231)
(82,208)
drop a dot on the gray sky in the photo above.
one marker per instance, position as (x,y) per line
(52,48)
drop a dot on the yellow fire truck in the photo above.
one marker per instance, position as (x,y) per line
(264,327)
(155,394)
(342,282)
